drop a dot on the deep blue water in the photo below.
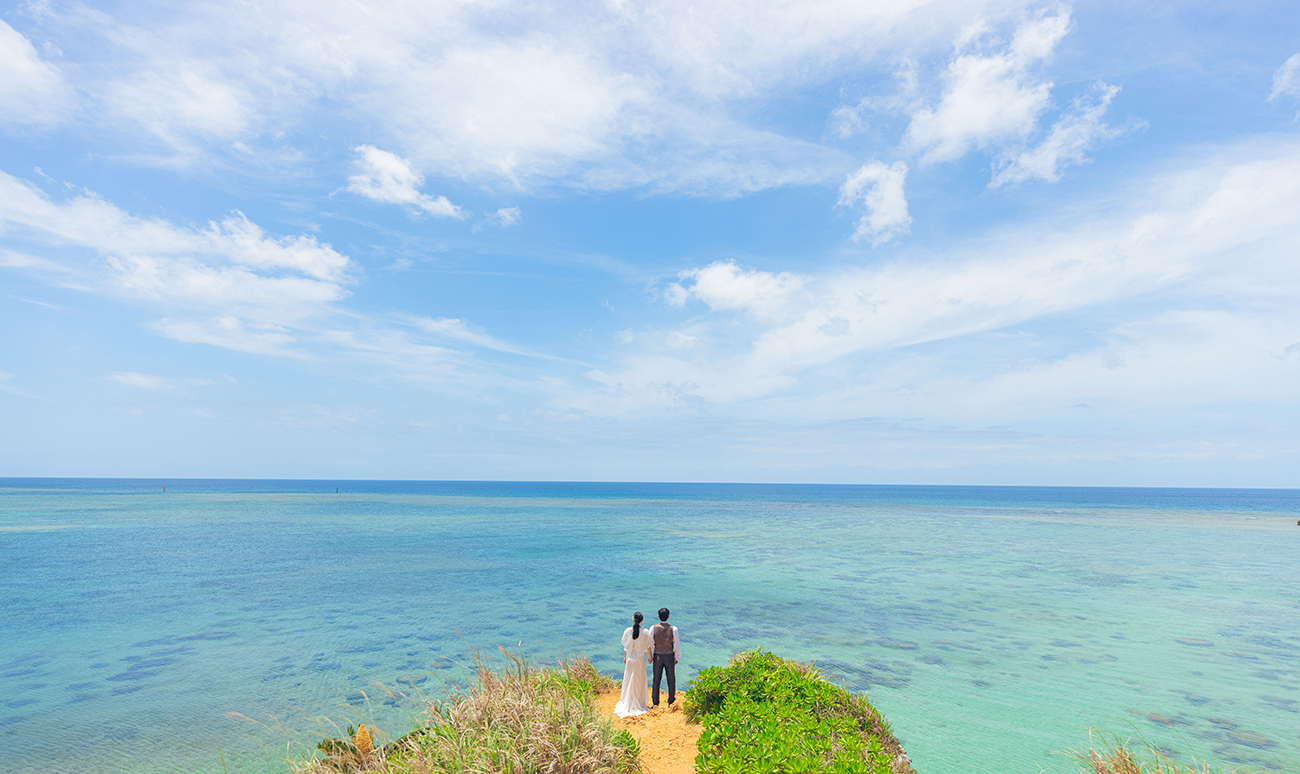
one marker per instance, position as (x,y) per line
(992,625)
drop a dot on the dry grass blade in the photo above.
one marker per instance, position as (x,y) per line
(1111,755)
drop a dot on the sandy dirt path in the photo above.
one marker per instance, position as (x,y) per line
(667,740)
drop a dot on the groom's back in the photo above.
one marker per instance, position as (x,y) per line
(663,637)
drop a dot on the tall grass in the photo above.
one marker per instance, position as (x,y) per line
(518,719)
(1112,755)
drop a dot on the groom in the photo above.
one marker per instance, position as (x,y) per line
(667,652)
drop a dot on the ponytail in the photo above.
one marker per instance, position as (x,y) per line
(636,625)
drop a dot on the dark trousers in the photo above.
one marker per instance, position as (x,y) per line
(665,662)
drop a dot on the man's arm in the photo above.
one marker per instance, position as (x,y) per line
(677,645)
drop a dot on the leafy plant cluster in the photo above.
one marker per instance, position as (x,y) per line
(765,715)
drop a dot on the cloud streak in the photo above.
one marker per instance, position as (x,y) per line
(1286,81)
(32,91)
(1075,133)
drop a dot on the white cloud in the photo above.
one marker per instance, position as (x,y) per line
(1219,237)
(502,218)
(988,99)
(725,286)
(679,340)
(879,189)
(388,178)
(32,92)
(592,96)
(1073,134)
(229,284)
(507,216)
(1287,79)
(253,284)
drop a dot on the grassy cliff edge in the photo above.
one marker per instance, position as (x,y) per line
(760,714)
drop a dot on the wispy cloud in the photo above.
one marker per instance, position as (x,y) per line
(253,285)
(502,218)
(1071,137)
(231,285)
(593,97)
(156,383)
(1287,79)
(32,91)
(184,106)
(459,330)
(1030,272)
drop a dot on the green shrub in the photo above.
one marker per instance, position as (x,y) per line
(765,715)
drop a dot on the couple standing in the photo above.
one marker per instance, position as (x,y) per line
(661,646)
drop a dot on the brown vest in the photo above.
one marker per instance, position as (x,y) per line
(663,634)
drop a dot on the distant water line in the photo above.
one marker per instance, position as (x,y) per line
(992,625)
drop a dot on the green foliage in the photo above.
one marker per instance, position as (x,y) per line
(765,715)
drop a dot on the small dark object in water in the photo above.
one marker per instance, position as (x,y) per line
(1154,717)
(207,636)
(1195,642)
(1289,705)
(1250,739)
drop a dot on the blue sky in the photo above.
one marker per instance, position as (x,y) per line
(847,242)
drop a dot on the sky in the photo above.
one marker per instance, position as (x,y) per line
(948,242)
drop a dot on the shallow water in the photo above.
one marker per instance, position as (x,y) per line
(992,626)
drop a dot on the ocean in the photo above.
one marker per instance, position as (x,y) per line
(223,626)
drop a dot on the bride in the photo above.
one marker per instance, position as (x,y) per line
(636,654)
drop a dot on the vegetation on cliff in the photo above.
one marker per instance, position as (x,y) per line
(763,714)
(520,719)
(760,714)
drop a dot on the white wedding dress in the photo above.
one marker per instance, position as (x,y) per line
(635,699)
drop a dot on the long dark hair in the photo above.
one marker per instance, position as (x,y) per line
(637,618)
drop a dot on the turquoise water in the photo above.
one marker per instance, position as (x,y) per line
(992,626)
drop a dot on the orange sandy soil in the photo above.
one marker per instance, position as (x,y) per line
(667,740)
